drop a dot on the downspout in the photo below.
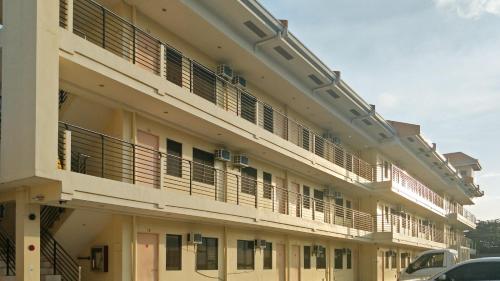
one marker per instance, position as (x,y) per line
(283,33)
(370,113)
(334,81)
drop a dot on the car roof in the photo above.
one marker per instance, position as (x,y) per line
(478,260)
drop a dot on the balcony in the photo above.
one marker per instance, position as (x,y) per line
(102,27)
(398,228)
(94,154)
(403,186)
(460,216)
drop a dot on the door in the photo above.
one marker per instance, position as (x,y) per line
(281,195)
(294,198)
(280,261)
(295,263)
(147,160)
(147,257)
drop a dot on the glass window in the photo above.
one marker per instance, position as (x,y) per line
(248,106)
(268,118)
(307,199)
(475,271)
(307,257)
(249,180)
(174,252)
(203,166)
(319,146)
(305,139)
(203,82)
(245,254)
(393,259)
(321,257)
(349,259)
(207,254)
(174,158)
(387,259)
(339,210)
(268,187)
(318,201)
(338,259)
(174,66)
(268,256)
(426,261)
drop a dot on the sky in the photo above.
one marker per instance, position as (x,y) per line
(430,62)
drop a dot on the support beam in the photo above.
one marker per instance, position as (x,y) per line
(27,238)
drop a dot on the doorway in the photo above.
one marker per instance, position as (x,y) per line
(280,261)
(295,263)
(147,257)
(147,160)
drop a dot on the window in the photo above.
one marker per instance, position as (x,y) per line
(305,139)
(318,201)
(174,66)
(386,169)
(207,254)
(393,259)
(430,260)
(268,256)
(338,259)
(248,106)
(319,146)
(249,180)
(203,82)
(475,271)
(307,199)
(203,166)
(174,158)
(348,209)
(245,254)
(307,257)
(404,259)
(387,259)
(268,188)
(321,257)
(349,258)
(339,211)
(174,252)
(268,118)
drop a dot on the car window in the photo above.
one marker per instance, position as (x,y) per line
(478,271)
(430,260)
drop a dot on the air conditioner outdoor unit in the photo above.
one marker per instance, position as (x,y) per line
(195,238)
(239,81)
(259,243)
(240,160)
(225,71)
(223,155)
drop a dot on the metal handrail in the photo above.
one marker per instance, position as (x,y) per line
(101,26)
(119,160)
(8,252)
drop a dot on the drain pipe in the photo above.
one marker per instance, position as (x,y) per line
(333,82)
(283,33)
(371,113)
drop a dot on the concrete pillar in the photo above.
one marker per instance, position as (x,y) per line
(27,238)
(30,70)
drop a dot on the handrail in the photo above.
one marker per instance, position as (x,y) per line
(62,262)
(101,26)
(411,227)
(115,159)
(8,252)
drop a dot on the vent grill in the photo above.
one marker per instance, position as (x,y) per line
(332,93)
(355,112)
(315,79)
(255,29)
(283,52)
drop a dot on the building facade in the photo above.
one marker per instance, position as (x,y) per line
(201,140)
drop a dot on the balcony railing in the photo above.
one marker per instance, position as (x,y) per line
(460,210)
(87,152)
(410,227)
(102,27)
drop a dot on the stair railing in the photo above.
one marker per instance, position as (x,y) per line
(8,252)
(62,262)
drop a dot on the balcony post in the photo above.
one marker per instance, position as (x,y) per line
(67,150)
(163,61)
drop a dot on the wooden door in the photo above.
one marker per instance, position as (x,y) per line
(147,257)
(280,261)
(295,263)
(147,160)
(281,196)
(294,199)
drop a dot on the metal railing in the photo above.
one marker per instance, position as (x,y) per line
(8,252)
(408,226)
(103,156)
(460,210)
(402,179)
(101,26)
(63,13)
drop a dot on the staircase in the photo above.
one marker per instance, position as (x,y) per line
(54,260)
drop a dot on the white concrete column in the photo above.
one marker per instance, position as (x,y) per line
(27,238)
(30,82)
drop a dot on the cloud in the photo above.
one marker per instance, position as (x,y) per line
(470,9)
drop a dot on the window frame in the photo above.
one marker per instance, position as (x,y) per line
(205,249)
(267,256)
(248,247)
(307,257)
(306,193)
(338,259)
(321,257)
(204,166)
(178,265)
(267,179)
(321,206)
(249,180)
(174,157)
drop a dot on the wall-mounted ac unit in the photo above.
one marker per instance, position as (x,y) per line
(223,155)
(239,81)
(225,71)
(259,243)
(240,160)
(195,238)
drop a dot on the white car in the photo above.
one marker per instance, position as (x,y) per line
(428,264)
(482,269)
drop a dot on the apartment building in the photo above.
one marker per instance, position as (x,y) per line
(201,140)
